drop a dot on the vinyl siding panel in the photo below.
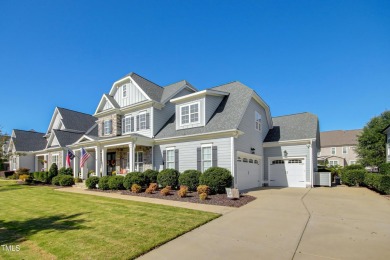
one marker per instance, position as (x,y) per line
(134,95)
(145,132)
(26,161)
(187,153)
(212,102)
(293,151)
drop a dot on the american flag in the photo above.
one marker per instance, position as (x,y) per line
(69,157)
(84,157)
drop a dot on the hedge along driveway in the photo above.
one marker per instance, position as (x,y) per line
(47,224)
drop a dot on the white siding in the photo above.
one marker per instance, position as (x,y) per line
(26,161)
(134,95)
(293,151)
(188,150)
(212,102)
(107,105)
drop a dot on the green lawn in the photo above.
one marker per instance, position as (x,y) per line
(48,224)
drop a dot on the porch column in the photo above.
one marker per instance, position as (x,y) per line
(84,171)
(98,161)
(76,163)
(104,161)
(131,156)
(36,162)
(46,156)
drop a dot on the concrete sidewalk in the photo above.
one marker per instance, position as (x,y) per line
(292,223)
(203,207)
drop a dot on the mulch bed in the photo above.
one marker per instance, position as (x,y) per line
(193,197)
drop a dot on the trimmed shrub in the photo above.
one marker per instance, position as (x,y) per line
(354,167)
(217,179)
(116,182)
(153,186)
(36,176)
(56,180)
(378,182)
(151,176)
(103,183)
(183,191)
(134,178)
(353,177)
(190,178)
(14,176)
(165,192)
(43,177)
(53,171)
(203,189)
(203,196)
(384,168)
(65,171)
(66,180)
(168,177)
(91,182)
(149,191)
(135,188)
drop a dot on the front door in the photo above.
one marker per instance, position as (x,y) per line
(111,163)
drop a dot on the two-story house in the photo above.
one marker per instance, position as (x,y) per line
(386,131)
(37,151)
(141,125)
(338,147)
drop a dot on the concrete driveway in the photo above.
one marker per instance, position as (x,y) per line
(292,223)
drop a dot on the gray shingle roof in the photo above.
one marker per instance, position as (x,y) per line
(151,89)
(339,137)
(26,141)
(169,90)
(226,117)
(66,137)
(112,100)
(293,127)
(78,121)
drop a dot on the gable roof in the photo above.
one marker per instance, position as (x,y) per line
(74,120)
(26,141)
(227,116)
(339,137)
(66,137)
(293,127)
(171,89)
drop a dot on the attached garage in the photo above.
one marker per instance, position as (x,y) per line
(287,172)
(249,171)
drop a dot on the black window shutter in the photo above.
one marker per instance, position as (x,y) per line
(215,156)
(110,124)
(199,159)
(147,120)
(176,159)
(137,123)
(102,129)
(164,158)
(132,124)
(123,124)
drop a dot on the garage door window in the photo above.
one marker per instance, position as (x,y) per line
(277,162)
(295,161)
(256,162)
(250,161)
(238,159)
(245,160)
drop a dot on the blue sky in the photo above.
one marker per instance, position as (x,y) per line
(330,58)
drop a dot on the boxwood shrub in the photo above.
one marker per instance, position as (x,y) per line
(353,177)
(217,179)
(190,178)
(168,177)
(151,176)
(66,180)
(378,182)
(384,168)
(103,183)
(65,171)
(131,178)
(53,171)
(116,182)
(56,180)
(91,182)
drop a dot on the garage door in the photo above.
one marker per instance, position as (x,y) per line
(287,172)
(248,173)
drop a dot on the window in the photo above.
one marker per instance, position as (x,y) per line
(139,161)
(206,157)
(14,163)
(277,162)
(345,149)
(257,121)
(256,162)
(189,114)
(124,91)
(250,160)
(170,158)
(238,159)
(126,124)
(107,127)
(333,163)
(295,161)
(333,150)
(142,121)
(54,159)
(245,160)
(352,162)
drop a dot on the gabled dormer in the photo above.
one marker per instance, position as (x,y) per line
(195,110)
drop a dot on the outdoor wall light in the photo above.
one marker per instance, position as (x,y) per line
(285,153)
(253,150)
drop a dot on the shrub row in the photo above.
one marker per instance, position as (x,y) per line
(62,180)
(378,182)
(217,179)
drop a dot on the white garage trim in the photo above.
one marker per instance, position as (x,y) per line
(270,159)
(253,165)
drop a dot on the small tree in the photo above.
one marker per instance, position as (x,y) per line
(371,147)
(53,171)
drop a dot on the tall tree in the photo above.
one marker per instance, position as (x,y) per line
(371,147)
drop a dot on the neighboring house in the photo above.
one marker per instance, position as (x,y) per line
(386,131)
(141,125)
(4,141)
(338,147)
(37,151)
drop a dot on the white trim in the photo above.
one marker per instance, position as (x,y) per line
(257,117)
(177,92)
(209,145)
(171,148)
(311,166)
(189,113)
(346,149)
(335,150)
(124,91)
(56,111)
(233,161)
(198,95)
(284,159)
(139,123)
(216,134)
(289,142)
(333,162)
